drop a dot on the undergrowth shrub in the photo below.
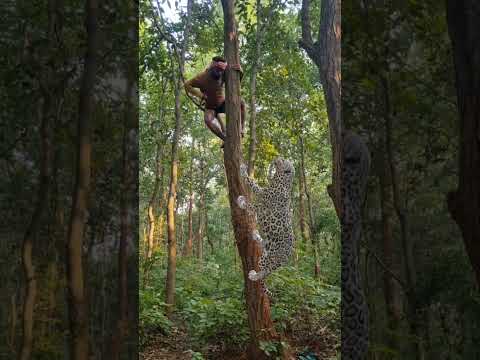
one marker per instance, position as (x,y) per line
(210,300)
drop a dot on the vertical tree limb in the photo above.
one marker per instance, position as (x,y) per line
(325,53)
(463,17)
(172,195)
(258,304)
(78,311)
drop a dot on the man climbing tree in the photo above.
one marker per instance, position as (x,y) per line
(210,82)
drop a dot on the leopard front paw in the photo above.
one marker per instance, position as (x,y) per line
(256,236)
(243,170)
(252,275)
(242,202)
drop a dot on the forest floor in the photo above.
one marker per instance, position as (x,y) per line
(176,346)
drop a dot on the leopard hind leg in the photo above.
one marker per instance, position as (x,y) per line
(267,264)
(265,290)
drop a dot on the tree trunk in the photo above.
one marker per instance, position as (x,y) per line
(391,291)
(153,202)
(463,17)
(252,147)
(312,226)
(200,228)
(126,202)
(189,243)
(400,211)
(201,216)
(172,194)
(206,235)
(301,209)
(258,304)
(325,53)
(12,325)
(34,227)
(259,36)
(78,311)
(46,159)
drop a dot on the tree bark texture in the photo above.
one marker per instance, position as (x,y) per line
(34,227)
(398,206)
(78,311)
(258,304)
(202,212)
(312,226)
(301,209)
(153,202)
(463,17)
(188,249)
(47,116)
(390,286)
(325,53)
(129,175)
(172,194)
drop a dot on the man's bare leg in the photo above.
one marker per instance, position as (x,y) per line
(222,125)
(212,124)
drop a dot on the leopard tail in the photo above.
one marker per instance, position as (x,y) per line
(265,290)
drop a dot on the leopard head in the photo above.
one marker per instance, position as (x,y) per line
(281,171)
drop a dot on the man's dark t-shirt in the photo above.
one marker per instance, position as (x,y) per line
(211,87)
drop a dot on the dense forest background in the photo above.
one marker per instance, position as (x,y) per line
(281,87)
(116,227)
(68,200)
(399,93)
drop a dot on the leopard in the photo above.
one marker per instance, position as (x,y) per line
(354,308)
(273,214)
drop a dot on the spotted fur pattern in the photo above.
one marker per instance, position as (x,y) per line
(272,211)
(356,164)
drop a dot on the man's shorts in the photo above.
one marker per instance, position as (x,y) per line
(220,109)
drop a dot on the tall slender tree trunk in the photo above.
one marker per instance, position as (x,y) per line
(301,209)
(407,244)
(463,17)
(34,227)
(153,202)
(312,227)
(129,173)
(252,147)
(12,324)
(259,37)
(189,243)
(160,238)
(205,229)
(201,225)
(47,114)
(325,53)
(172,194)
(258,304)
(78,311)
(391,291)
(199,235)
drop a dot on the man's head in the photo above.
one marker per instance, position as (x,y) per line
(217,67)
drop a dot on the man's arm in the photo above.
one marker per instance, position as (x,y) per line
(191,89)
(237,67)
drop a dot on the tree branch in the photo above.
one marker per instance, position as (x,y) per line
(306,42)
(171,40)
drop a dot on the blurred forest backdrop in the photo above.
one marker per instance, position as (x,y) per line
(286,117)
(399,92)
(68,159)
(69,131)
